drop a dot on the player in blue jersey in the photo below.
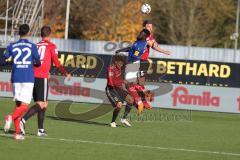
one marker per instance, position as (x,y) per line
(139,46)
(134,77)
(24,55)
(134,55)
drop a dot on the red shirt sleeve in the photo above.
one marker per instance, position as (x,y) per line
(54,56)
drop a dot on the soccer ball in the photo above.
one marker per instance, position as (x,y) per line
(146,8)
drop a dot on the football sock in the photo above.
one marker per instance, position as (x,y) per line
(18,111)
(140,108)
(41,114)
(127,111)
(16,116)
(34,109)
(17,125)
(115,114)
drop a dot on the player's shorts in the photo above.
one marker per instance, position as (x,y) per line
(40,90)
(144,65)
(115,95)
(23,92)
(132,71)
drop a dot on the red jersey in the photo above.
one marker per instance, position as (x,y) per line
(114,76)
(48,53)
(145,55)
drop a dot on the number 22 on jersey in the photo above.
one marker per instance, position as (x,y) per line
(18,59)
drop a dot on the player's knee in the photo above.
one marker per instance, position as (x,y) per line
(41,104)
(45,104)
(130,99)
(119,105)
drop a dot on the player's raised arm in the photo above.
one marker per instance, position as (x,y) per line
(156,47)
(147,24)
(127,49)
(54,56)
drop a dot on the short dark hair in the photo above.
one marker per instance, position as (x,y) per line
(45,31)
(23,29)
(143,35)
(119,57)
(145,22)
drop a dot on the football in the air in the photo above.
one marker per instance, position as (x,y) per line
(146,8)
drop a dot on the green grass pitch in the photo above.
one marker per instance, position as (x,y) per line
(200,136)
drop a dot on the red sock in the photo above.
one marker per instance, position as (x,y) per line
(16,116)
(16,113)
(17,125)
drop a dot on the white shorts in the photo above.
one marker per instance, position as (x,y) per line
(23,92)
(131,71)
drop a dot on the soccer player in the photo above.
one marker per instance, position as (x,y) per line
(24,56)
(116,91)
(147,24)
(134,76)
(48,53)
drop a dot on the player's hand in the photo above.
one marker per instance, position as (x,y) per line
(69,77)
(167,53)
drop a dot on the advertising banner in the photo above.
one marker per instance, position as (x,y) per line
(178,84)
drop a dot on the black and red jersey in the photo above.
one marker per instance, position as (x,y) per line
(114,76)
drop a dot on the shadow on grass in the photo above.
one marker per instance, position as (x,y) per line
(11,132)
(78,121)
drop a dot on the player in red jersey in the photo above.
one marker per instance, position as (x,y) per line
(147,24)
(48,54)
(116,91)
(138,90)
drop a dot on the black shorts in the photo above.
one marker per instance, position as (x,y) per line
(115,95)
(40,89)
(144,65)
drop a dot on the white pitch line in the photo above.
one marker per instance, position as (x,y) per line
(128,145)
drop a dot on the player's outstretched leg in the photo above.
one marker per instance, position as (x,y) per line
(31,112)
(16,117)
(115,114)
(114,117)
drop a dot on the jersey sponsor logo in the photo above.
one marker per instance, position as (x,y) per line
(180,95)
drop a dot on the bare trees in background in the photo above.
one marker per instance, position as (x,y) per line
(180,22)
(116,20)
(194,22)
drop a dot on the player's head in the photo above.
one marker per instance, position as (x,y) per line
(119,60)
(23,30)
(45,31)
(147,24)
(143,35)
